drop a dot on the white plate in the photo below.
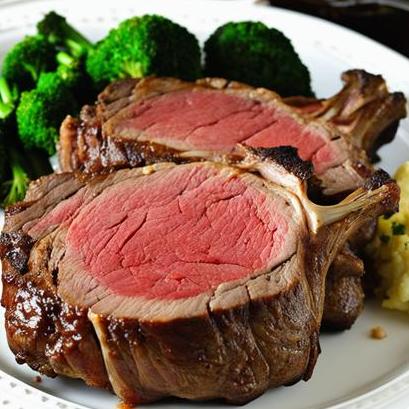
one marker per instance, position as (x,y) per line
(353,371)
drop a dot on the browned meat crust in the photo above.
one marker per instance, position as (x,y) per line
(364,109)
(243,339)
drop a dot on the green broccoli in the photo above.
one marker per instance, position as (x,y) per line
(143,46)
(251,52)
(17,165)
(60,33)
(41,110)
(13,169)
(73,72)
(25,62)
(8,98)
(15,188)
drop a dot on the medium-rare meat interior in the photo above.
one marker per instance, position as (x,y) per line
(198,236)
(157,119)
(187,297)
(138,122)
(141,122)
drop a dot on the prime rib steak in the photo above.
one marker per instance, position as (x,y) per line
(138,122)
(201,280)
(214,115)
(156,119)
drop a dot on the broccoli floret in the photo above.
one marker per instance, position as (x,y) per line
(251,52)
(16,187)
(144,46)
(13,176)
(25,62)
(20,167)
(8,99)
(17,165)
(60,33)
(41,110)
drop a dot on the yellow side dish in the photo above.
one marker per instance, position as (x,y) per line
(389,250)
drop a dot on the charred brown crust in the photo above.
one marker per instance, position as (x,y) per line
(16,247)
(287,157)
(16,208)
(345,303)
(265,340)
(364,109)
(117,89)
(362,77)
(378,179)
(344,296)
(397,103)
(47,334)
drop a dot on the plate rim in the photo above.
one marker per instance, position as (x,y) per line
(376,398)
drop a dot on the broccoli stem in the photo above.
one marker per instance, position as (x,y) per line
(75,41)
(34,71)
(133,69)
(76,37)
(64,58)
(5,92)
(5,110)
(76,49)
(19,180)
(6,99)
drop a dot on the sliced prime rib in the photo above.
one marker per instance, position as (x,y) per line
(151,282)
(138,122)
(364,109)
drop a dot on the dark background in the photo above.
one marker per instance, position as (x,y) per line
(387,24)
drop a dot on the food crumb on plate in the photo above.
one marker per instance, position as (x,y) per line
(377,332)
(37,379)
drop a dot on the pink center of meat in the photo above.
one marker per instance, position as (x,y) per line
(214,120)
(180,232)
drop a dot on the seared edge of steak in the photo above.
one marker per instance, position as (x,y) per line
(285,156)
(289,318)
(49,335)
(235,354)
(90,144)
(247,338)
(364,109)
